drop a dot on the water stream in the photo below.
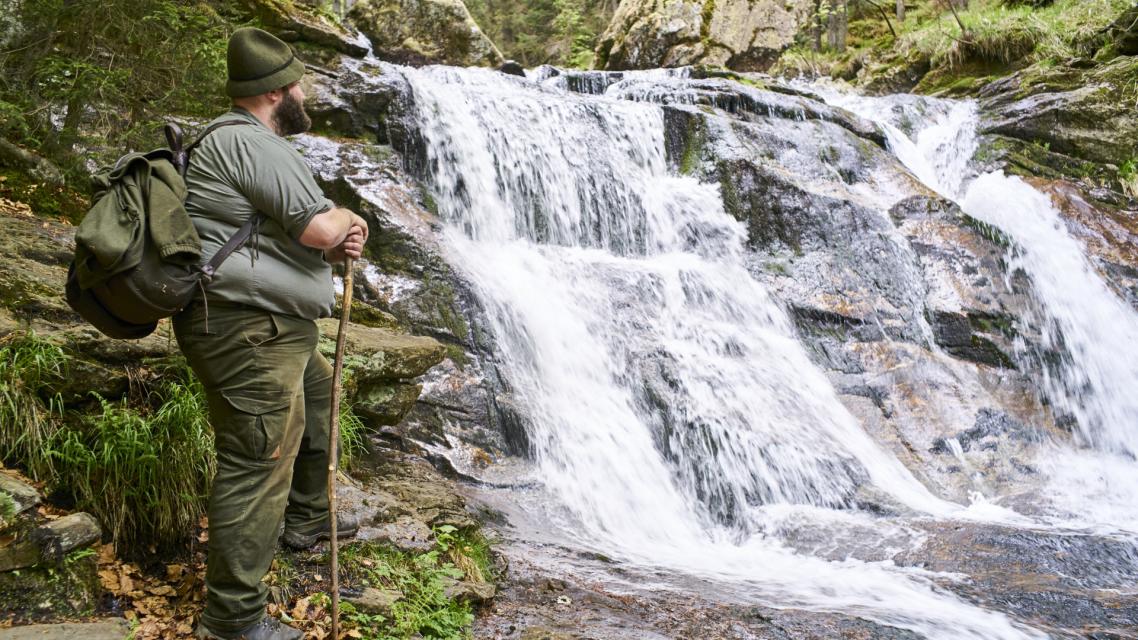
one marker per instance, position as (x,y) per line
(1092,328)
(673,413)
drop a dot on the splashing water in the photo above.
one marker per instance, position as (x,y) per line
(668,398)
(1094,329)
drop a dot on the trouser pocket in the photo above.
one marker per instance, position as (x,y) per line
(253,427)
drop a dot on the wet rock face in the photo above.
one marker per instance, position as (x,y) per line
(405,277)
(1087,114)
(420,32)
(1108,230)
(746,35)
(353,99)
(1067,582)
(893,289)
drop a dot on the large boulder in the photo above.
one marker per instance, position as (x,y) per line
(746,35)
(425,32)
(298,22)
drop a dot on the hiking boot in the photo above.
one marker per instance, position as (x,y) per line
(268,628)
(346,527)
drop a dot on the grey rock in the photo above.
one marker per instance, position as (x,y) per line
(113,629)
(1071,111)
(424,32)
(24,495)
(51,542)
(475,593)
(375,601)
(294,21)
(745,35)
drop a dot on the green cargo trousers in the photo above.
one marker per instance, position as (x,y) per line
(269,395)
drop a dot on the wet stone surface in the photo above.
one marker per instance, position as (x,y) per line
(1073,584)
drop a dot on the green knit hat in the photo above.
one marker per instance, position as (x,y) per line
(259,62)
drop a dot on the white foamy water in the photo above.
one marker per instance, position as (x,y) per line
(668,398)
(1095,331)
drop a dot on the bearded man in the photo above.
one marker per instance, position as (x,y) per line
(251,337)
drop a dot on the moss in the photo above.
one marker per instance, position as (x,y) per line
(705,15)
(989,232)
(694,142)
(994,323)
(457,355)
(50,593)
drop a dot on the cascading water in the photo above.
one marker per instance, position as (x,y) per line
(1095,331)
(668,396)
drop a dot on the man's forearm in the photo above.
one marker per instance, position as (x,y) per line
(328,229)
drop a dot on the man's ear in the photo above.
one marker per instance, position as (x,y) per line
(276,95)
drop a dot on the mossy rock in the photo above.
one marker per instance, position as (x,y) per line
(425,32)
(743,35)
(293,21)
(1084,113)
(382,355)
(42,593)
(384,404)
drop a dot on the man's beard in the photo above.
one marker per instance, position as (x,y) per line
(289,117)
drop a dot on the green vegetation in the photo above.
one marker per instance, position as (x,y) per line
(144,474)
(7,510)
(423,608)
(982,39)
(353,437)
(45,199)
(141,467)
(534,32)
(81,75)
(29,413)
(1128,176)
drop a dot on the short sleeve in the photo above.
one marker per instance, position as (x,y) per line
(278,183)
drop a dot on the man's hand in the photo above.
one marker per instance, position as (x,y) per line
(330,229)
(352,246)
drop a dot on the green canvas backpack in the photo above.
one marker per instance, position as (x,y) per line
(137,254)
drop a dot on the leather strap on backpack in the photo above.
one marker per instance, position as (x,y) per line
(250,228)
(181,161)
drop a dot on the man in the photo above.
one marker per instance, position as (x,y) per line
(251,339)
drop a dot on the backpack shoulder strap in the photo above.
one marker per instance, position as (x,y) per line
(210,129)
(174,138)
(250,228)
(247,230)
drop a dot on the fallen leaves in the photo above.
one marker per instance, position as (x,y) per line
(164,606)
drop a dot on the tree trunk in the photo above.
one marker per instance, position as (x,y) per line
(839,25)
(900,10)
(817,28)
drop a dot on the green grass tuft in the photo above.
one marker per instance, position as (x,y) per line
(423,610)
(7,510)
(143,473)
(29,413)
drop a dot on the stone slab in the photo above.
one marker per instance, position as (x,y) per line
(115,629)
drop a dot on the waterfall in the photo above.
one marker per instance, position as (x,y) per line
(669,400)
(1094,329)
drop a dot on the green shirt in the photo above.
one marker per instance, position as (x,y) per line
(235,172)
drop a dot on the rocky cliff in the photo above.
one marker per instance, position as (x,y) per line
(745,35)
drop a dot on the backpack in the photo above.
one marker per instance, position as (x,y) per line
(137,254)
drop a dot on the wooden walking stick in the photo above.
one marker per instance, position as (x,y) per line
(334,443)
